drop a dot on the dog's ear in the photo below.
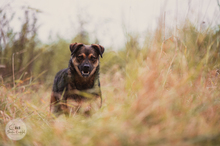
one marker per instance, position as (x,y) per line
(74,47)
(99,48)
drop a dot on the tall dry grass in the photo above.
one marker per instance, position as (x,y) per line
(162,94)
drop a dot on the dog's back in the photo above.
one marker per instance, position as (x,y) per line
(60,81)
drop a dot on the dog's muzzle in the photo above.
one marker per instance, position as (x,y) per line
(85,70)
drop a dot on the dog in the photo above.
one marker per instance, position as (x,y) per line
(77,88)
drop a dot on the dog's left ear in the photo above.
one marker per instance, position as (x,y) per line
(74,47)
(99,48)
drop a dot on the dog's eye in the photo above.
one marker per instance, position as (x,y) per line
(80,57)
(93,58)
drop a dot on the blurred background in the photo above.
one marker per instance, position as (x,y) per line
(35,34)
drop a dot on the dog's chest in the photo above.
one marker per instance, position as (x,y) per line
(72,94)
(80,85)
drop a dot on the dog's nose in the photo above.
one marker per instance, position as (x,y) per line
(86,67)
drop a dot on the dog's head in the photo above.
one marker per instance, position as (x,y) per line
(85,58)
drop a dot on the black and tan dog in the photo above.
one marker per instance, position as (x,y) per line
(77,88)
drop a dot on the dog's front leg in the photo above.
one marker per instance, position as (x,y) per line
(58,104)
(55,106)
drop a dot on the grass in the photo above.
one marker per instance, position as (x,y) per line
(160,97)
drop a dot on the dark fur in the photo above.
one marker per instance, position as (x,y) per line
(70,84)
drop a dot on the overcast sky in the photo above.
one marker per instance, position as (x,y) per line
(109,19)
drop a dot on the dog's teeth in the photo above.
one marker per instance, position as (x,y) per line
(85,73)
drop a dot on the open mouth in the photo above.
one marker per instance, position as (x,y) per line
(85,73)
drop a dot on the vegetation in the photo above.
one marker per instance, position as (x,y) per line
(164,93)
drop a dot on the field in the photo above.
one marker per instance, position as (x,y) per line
(165,91)
(154,96)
